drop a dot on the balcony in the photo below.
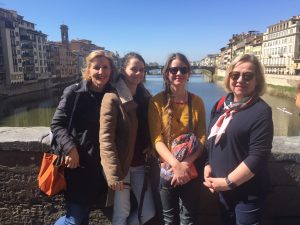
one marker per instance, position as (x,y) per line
(27,55)
(275,66)
(27,46)
(25,38)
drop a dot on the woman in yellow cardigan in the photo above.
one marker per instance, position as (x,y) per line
(168,119)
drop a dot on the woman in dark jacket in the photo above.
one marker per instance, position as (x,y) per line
(239,144)
(85,182)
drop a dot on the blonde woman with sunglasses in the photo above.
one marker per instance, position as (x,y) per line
(239,144)
(176,113)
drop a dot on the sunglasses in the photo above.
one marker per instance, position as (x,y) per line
(174,70)
(247,76)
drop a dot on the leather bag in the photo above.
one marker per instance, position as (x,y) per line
(51,178)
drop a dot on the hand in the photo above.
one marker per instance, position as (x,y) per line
(72,159)
(117,186)
(181,173)
(208,174)
(218,184)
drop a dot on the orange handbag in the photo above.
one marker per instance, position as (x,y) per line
(51,178)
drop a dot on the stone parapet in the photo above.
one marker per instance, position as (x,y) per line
(22,203)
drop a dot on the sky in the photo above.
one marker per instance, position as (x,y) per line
(154,28)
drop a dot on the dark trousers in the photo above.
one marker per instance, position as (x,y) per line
(180,205)
(248,211)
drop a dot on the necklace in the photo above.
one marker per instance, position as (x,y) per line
(178,99)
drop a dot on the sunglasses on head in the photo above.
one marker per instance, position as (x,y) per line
(174,70)
(247,76)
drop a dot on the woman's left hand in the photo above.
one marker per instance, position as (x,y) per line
(181,175)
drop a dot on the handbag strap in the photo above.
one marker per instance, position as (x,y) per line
(70,122)
(73,112)
(190,112)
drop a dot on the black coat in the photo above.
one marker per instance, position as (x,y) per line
(86,184)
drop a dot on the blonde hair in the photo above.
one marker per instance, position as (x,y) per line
(258,71)
(90,57)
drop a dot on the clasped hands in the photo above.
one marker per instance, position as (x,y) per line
(180,173)
(214,184)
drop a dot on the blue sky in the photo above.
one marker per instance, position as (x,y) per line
(154,28)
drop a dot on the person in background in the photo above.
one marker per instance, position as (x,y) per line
(298,96)
(239,144)
(169,118)
(86,184)
(124,137)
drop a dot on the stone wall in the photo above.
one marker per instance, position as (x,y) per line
(22,203)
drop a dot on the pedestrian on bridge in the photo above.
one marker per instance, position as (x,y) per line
(239,144)
(177,128)
(124,139)
(86,185)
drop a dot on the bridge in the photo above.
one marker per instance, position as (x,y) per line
(208,71)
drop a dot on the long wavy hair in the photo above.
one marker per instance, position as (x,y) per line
(169,107)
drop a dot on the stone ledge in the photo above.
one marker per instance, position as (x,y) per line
(30,139)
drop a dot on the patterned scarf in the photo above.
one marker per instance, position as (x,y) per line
(182,146)
(223,121)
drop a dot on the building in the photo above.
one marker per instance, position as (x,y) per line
(63,62)
(23,56)
(81,48)
(209,60)
(281,48)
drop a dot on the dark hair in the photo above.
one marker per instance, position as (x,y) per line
(168,95)
(125,61)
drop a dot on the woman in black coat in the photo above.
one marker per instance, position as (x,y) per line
(85,182)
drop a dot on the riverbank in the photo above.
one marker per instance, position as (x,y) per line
(21,202)
(277,85)
(35,86)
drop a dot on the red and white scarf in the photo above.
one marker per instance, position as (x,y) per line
(223,121)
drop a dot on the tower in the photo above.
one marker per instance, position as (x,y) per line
(64,34)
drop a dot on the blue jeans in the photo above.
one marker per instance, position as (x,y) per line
(122,213)
(242,212)
(77,214)
(181,204)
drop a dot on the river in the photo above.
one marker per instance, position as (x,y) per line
(36,109)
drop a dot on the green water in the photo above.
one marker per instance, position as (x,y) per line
(36,109)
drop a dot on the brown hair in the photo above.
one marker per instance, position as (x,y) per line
(90,57)
(169,108)
(258,70)
(125,61)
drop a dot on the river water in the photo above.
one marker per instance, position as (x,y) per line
(36,109)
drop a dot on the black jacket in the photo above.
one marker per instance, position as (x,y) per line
(86,184)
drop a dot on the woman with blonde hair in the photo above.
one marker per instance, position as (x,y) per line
(239,144)
(81,103)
